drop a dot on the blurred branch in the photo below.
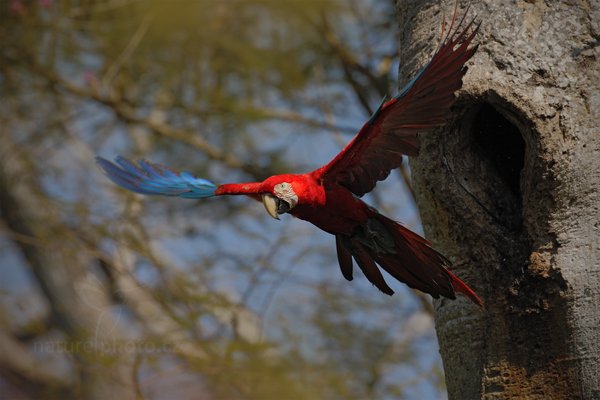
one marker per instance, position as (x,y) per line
(148,310)
(267,114)
(405,176)
(134,42)
(135,374)
(161,323)
(380,83)
(98,7)
(84,320)
(420,377)
(128,114)
(425,300)
(359,90)
(17,363)
(291,116)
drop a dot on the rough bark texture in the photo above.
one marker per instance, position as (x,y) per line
(509,191)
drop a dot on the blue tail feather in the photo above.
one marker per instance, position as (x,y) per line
(155,179)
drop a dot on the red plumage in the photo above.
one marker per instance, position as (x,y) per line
(327,197)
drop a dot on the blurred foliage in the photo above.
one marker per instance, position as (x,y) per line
(242,307)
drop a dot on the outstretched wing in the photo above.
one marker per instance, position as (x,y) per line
(148,178)
(392,130)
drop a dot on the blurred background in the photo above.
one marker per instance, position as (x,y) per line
(105,293)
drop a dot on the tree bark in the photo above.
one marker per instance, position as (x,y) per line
(508,190)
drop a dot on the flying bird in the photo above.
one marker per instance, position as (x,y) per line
(329,197)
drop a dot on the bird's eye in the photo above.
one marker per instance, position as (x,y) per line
(285,193)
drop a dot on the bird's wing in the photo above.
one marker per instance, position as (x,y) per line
(392,130)
(148,178)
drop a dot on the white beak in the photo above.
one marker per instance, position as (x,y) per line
(270,203)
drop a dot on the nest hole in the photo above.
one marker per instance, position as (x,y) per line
(501,142)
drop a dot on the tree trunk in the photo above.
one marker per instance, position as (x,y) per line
(508,190)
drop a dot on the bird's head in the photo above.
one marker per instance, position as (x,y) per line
(279,194)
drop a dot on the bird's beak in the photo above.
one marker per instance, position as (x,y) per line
(270,203)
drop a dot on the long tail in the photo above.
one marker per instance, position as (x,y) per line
(403,254)
(155,179)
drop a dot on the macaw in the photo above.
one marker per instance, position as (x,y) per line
(329,197)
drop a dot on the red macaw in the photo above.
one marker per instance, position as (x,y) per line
(328,197)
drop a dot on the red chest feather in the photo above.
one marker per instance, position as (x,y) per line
(340,212)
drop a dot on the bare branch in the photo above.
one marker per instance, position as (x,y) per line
(347,59)
(134,42)
(17,359)
(123,110)
(77,304)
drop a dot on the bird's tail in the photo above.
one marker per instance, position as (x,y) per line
(155,179)
(406,256)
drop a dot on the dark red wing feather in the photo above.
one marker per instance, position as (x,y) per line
(344,258)
(369,268)
(392,131)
